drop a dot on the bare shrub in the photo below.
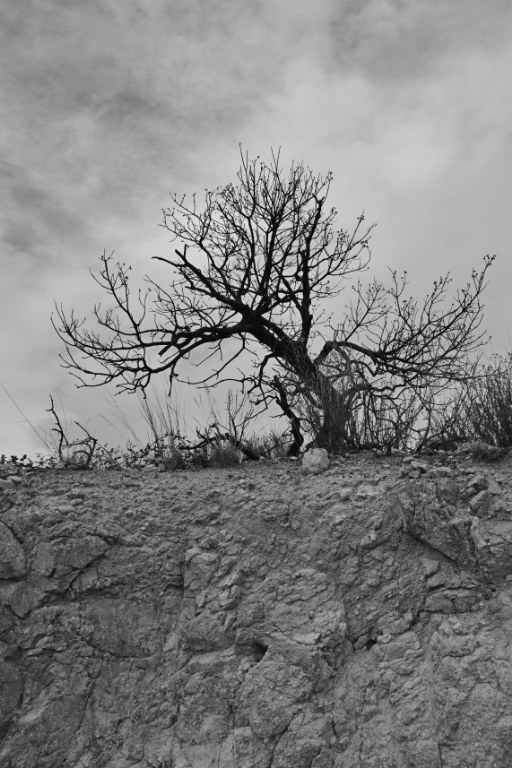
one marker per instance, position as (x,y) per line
(482,410)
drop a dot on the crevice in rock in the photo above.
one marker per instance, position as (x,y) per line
(81,571)
(16,536)
(258,650)
(370,643)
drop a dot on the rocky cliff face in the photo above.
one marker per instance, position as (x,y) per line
(258,618)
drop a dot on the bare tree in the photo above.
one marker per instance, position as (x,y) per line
(256,262)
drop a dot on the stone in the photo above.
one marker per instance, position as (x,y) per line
(5,500)
(477,483)
(315,461)
(479,504)
(13,562)
(418,465)
(257,618)
(8,470)
(441,471)
(438,603)
(374,539)
(425,754)
(428,512)
(11,690)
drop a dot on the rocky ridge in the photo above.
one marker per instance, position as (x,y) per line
(258,616)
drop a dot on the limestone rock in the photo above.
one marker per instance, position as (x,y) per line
(12,556)
(258,618)
(11,689)
(315,461)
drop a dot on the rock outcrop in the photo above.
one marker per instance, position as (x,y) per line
(257,617)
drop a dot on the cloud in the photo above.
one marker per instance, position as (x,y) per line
(111,105)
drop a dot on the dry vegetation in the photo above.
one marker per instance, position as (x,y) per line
(246,292)
(479,416)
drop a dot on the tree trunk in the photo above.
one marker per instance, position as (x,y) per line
(333,432)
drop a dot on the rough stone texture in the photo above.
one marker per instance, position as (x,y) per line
(258,618)
(315,461)
(12,556)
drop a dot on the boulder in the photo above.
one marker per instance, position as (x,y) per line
(315,461)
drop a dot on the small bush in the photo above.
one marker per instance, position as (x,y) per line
(482,411)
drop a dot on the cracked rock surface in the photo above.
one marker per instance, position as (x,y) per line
(258,617)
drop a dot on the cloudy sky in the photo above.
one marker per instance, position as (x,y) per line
(110,105)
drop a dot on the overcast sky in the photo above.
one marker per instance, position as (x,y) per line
(110,105)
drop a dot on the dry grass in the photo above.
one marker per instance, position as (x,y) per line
(481,412)
(480,415)
(224,441)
